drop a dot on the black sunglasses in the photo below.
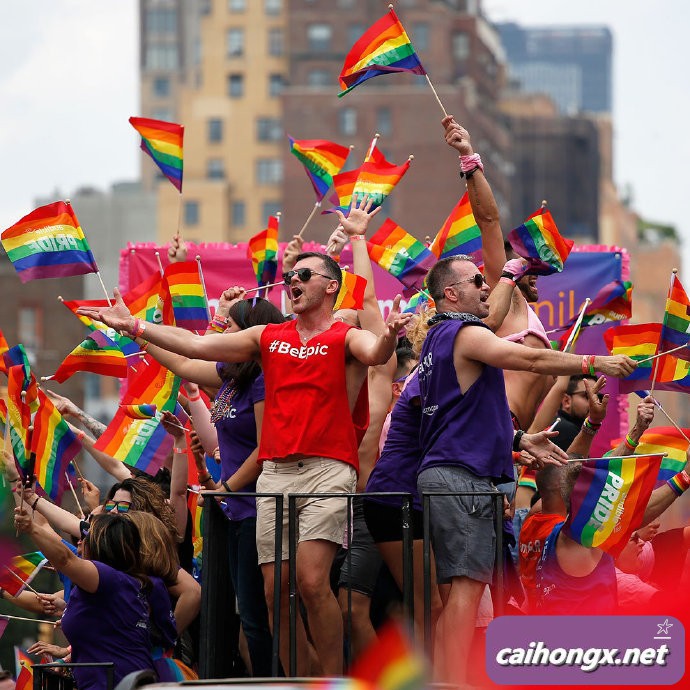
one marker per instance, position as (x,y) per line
(304,274)
(477,278)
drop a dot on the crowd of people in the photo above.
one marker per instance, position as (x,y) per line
(459,398)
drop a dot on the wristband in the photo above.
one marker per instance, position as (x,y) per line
(179,450)
(80,435)
(679,483)
(138,328)
(33,507)
(213,326)
(205,479)
(592,370)
(516,440)
(220,319)
(226,487)
(588,429)
(469,164)
(591,424)
(357,237)
(195,398)
(630,443)
(143,344)
(507,278)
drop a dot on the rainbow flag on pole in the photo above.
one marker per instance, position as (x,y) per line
(676,324)
(97,354)
(539,241)
(401,254)
(18,417)
(459,234)
(48,243)
(21,570)
(55,445)
(150,301)
(383,48)
(163,142)
(189,304)
(351,295)
(321,160)
(609,499)
(665,439)
(262,249)
(143,411)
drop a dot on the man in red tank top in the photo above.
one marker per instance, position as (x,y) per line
(314,368)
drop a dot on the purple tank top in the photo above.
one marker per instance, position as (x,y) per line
(560,594)
(472,430)
(396,468)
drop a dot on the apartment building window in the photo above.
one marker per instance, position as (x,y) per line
(235,85)
(191,212)
(319,77)
(276,85)
(273,7)
(161,87)
(269,171)
(276,42)
(347,121)
(161,21)
(234,42)
(269,208)
(384,124)
(205,7)
(239,214)
(215,130)
(161,56)
(269,129)
(319,37)
(30,326)
(215,169)
(237,5)
(420,36)
(461,45)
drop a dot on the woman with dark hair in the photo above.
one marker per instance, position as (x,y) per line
(237,413)
(108,616)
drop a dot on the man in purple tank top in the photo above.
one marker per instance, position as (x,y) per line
(466,438)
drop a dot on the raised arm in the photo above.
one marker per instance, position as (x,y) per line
(580,447)
(179,472)
(59,517)
(68,409)
(645,416)
(187,591)
(226,347)
(201,419)
(111,465)
(483,203)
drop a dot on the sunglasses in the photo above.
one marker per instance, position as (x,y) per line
(304,274)
(478,279)
(120,506)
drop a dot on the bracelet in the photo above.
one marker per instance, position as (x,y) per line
(179,450)
(195,398)
(357,237)
(679,483)
(507,278)
(591,424)
(80,435)
(516,440)
(138,328)
(630,442)
(226,487)
(589,429)
(33,507)
(213,326)
(588,365)
(470,164)
(143,344)
(220,318)
(205,479)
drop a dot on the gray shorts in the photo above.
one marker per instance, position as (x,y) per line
(462,527)
(363,560)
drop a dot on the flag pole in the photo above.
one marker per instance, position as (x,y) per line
(438,100)
(158,259)
(26,584)
(674,273)
(665,352)
(32,620)
(197,258)
(309,219)
(74,494)
(670,419)
(576,329)
(370,150)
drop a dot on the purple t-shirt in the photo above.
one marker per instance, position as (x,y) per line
(396,468)
(110,624)
(162,626)
(236,441)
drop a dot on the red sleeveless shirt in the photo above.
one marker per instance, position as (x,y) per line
(306,409)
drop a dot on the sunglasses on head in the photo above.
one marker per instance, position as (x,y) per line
(120,506)
(304,275)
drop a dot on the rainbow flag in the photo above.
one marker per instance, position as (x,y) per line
(55,445)
(676,324)
(402,255)
(612,303)
(609,499)
(97,354)
(3,343)
(21,570)
(143,411)
(321,159)
(351,295)
(418,301)
(377,179)
(48,243)
(18,417)
(163,142)
(187,294)
(262,249)
(344,186)
(390,662)
(142,443)
(16,357)
(25,673)
(197,513)
(150,301)
(459,234)
(383,48)
(539,241)
(637,341)
(664,439)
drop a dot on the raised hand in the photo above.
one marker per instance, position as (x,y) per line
(172,425)
(457,136)
(541,448)
(63,405)
(228,298)
(396,320)
(358,218)
(597,408)
(118,316)
(177,250)
(292,251)
(336,242)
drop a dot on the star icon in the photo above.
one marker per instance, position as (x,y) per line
(663,627)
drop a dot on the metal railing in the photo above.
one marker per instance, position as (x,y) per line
(47,676)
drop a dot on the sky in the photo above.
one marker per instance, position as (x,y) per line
(69,74)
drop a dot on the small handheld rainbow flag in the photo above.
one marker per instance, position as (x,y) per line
(459,234)
(401,254)
(637,341)
(321,159)
(25,674)
(609,499)
(96,354)
(150,301)
(664,439)
(351,295)
(197,513)
(676,324)
(262,249)
(383,48)
(143,411)
(54,445)
(15,576)
(189,304)
(539,241)
(418,301)
(48,243)
(163,142)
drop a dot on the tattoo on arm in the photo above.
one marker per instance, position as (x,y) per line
(93,425)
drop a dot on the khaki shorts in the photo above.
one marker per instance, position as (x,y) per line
(317,518)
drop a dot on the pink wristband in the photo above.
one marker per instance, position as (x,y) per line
(195,398)
(470,163)
(357,237)
(505,279)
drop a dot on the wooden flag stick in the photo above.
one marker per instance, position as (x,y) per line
(578,323)
(26,584)
(74,494)
(668,416)
(107,297)
(661,354)
(32,620)
(317,205)
(197,258)
(438,100)
(263,287)
(158,259)
(76,467)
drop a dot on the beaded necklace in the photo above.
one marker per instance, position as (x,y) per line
(221,405)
